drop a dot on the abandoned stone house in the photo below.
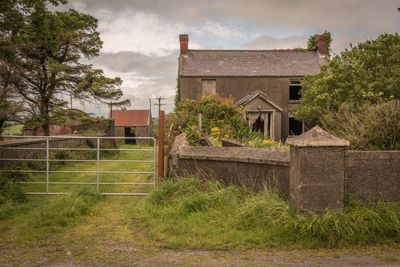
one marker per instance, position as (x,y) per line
(266,82)
(132,123)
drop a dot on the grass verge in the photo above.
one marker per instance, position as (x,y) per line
(41,217)
(61,211)
(190,213)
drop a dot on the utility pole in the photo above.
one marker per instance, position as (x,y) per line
(111,104)
(151,118)
(159,103)
(70,99)
(150,105)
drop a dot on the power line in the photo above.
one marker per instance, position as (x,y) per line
(159,103)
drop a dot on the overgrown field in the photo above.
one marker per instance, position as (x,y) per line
(194,214)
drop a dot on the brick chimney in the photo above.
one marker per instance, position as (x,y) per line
(321,45)
(184,43)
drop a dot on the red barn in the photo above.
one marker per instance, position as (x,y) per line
(132,123)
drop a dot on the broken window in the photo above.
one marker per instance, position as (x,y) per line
(208,87)
(295,127)
(294,90)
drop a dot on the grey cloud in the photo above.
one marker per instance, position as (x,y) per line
(142,64)
(145,75)
(365,14)
(349,21)
(270,42)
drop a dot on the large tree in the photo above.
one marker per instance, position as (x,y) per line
(44,57)
(366,73)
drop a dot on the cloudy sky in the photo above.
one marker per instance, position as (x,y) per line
(141,36)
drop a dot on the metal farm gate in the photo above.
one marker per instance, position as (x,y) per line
(118,166)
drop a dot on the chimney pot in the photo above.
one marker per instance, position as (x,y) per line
(184,43)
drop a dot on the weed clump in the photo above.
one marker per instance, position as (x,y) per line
(206,214)
(60,211)
(11,193)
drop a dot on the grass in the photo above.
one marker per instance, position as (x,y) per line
(85,229)
(60,211)
(194,214)
(103,166)
(13,130)
(41,217)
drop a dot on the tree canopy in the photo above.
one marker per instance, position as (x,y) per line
(366,73)
(43,58)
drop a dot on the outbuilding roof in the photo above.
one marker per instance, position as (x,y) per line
(291,62)
(131,118)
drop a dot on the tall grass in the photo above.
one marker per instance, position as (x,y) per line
(191,213)
(60,211)
(11,193)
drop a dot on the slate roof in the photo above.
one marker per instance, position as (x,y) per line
(251,63)
(131,118)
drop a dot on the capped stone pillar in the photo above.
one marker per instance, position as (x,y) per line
(317,171)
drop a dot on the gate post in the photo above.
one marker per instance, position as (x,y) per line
(161,145)
(317,171)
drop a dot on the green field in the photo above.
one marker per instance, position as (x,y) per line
(13,130)
(85,172)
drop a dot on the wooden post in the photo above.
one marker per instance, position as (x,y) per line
(200,122)
(161,145)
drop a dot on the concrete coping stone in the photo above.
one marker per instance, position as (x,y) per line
(317,137)
(238,154)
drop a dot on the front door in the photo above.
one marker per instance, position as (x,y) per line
(258,125)
(261,122)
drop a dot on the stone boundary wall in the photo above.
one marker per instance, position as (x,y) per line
(318,173)
(252,168)
(373,175)
(36,143)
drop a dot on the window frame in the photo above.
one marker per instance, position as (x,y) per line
(297,83)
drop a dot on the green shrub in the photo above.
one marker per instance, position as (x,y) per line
(216,112)
(193,135)
(194,213)
(369,126)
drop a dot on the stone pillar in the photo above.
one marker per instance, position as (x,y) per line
(317,171)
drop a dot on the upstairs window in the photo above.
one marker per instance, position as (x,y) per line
(208,87)
(294,90)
